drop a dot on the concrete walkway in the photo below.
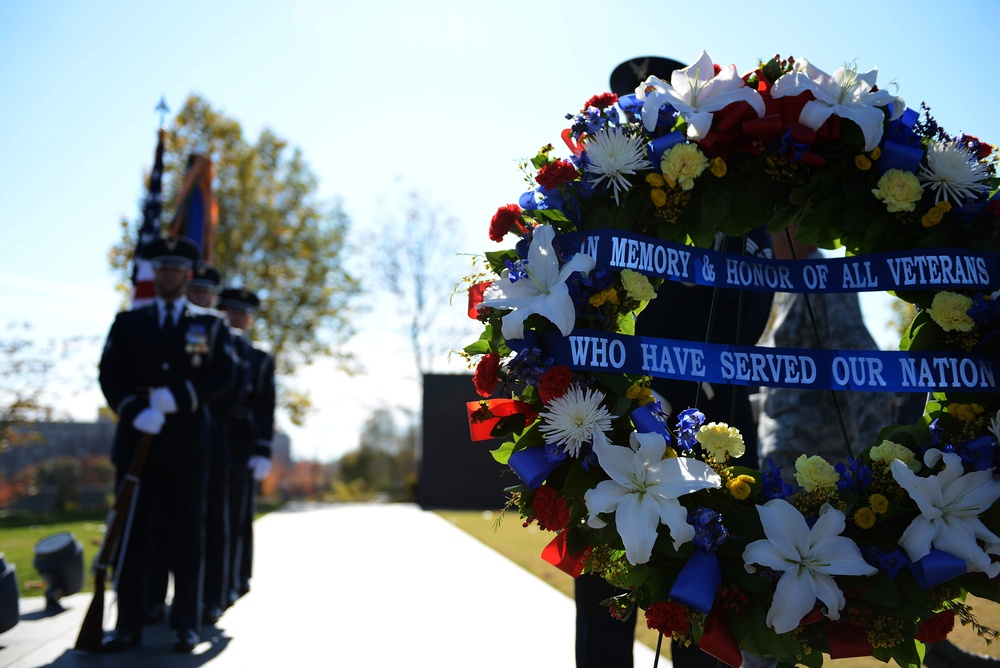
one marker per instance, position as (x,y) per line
(347,586)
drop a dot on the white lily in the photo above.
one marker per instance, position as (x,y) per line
(541,288)
(643,491)
(696,92)
(808,559)
(848,94)
(950,503)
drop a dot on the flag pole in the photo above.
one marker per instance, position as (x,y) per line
(163,109)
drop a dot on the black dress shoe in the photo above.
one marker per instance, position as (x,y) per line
(184,640)
(120,640)
(211,615)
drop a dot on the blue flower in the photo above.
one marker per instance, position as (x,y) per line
(935,430)
(688,422)
(709,532)
(528,366)
(893,562)
(855,476)
(773,486)
(554,452)
(978,453)
(984,311)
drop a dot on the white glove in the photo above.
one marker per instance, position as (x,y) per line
(261,466)
(163,400)
(149,421)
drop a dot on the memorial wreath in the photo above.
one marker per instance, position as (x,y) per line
(870,558)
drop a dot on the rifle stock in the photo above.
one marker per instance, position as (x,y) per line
(91,634)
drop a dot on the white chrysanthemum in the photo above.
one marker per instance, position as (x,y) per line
(572,419)
(612,155)
(953,173)
(995,427)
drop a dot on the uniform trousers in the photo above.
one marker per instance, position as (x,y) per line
(217,538)
(168,514)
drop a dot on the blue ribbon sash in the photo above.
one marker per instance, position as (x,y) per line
(922,269)
(595,351)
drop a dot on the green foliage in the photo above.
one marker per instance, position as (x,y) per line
(63,473)
(383,464)
(274,235)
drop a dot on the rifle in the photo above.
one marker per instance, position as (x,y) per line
(119,524)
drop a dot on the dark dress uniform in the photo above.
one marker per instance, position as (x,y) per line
(251,430)
(217,533)
(683,312)
(218,514)
(193,360)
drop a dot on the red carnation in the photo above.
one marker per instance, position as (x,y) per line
(601,101)
(485,377)
(554,383)
(555,173)
(994,207)
(551,510)
(503,220)
(936,628)
(668,618)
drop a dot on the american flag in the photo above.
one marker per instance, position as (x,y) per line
(143,290)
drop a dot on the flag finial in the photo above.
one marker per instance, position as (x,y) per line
(163,109)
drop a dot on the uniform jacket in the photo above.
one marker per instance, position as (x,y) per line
(686,312)
(252,425)
(195,363)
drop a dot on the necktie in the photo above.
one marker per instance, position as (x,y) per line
(168,319)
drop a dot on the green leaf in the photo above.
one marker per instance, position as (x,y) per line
(503,453)
(480,347)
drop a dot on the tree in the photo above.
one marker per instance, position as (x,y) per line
(274,236)
(383,462)
(63,475)
(27,370)
(415,259)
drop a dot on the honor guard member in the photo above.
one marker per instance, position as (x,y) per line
(251,432)
(162,366)
(203,290)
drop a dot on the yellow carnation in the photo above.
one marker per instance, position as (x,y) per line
(899,190)
(637,286)
(864,518)
(879,503)
(950,311)
(683,164)
(886,451)
(814,472)
(721,441)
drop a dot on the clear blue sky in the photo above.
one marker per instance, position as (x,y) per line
(441,96)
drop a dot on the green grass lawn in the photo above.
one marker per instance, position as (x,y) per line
(18,546)
(19,534)
(524,547)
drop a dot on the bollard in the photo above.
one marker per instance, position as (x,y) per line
(10,611)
